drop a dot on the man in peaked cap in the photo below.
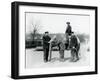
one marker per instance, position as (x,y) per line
(68,34)
(75,47)
(68,29)
(46,39)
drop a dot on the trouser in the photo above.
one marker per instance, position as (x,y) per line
(67,41)
(46,53)
(75,52)
(78,48)
(74,55)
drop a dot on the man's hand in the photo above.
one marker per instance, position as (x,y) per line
(50,41)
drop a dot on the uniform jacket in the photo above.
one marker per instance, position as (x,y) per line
(46,39)
(74,41)
(68,30)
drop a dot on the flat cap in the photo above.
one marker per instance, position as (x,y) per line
(67,22)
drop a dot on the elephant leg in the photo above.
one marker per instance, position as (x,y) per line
(72,55)
(77,55)
(77,52)
(61,55)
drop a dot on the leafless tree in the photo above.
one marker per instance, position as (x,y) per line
(36,25)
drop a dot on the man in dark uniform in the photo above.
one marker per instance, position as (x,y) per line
(68,29)
(74,46)
(68,34)
(46,39)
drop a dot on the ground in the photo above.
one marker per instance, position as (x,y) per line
(34,59)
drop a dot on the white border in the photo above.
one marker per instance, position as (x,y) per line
(37,71)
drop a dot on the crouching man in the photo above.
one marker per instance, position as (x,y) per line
(74,46)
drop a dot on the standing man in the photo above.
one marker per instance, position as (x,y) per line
(46,39)
(68,34)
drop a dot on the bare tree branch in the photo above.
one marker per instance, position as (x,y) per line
(36,24)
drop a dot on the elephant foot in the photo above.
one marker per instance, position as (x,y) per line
(62,60)
(72,59)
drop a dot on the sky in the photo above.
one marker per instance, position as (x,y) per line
(56,23)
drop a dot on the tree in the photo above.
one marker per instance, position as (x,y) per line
(36,25)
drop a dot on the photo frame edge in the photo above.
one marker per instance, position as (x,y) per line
(15,43)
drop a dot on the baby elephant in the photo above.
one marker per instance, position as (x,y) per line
(61,46)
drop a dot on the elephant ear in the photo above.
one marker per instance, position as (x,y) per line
(61,37)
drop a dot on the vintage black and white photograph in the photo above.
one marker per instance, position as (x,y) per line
(51,40)
(57,40)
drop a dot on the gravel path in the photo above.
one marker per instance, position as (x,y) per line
(34,59)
